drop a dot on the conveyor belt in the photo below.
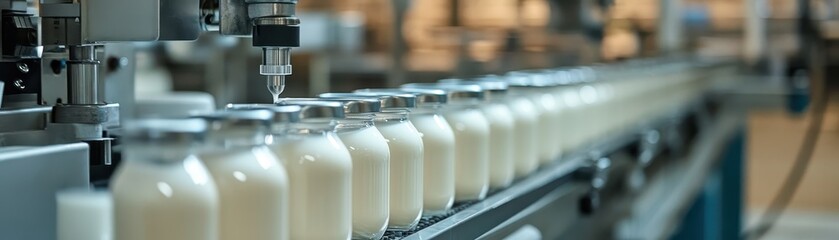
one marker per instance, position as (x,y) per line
(427,221)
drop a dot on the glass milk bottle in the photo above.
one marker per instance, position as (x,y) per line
(591,102)
(566,94)
(320,172)
(524,84)
(370,167)
(501,131)
(438,147)
(162,191)
(251,182)
(406,151)
(471,135)
(533,85)
(526,125)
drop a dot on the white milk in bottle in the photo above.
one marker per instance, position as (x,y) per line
(162,191)
(252,183)
(438,147)
(471,134)
(525,134)
(501,129)
(320,172)
(537,87)
(406,149)
(370,165)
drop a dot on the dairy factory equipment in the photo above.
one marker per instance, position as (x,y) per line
(70,72)
(449,119)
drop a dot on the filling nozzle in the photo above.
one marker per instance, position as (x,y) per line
(276,85)
(276,65)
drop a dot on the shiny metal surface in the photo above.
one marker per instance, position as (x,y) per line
(424,96)
(315,109)
(277,21)
(105,114)
(179,20)
(23,119)
(238,119)
(257,11)
(358,105)
(388,100)
(29,180)
(528,79)
(120,20)
(492,84)
(83,75)
(455,92)
(101,152)
(282,114)
(165,131)
(492,87)
(272,1)
(276,61)
(234,20)
(276,65)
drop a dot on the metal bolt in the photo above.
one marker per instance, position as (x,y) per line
(23,67)
(19,84)
(116,63)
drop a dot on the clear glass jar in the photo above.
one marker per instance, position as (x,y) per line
(320,176)
(438,146)
(438,158)
(549,123)
(501,137)
(406,167)
(252,183)
(162,190)
(370,175)
(501,126)
(536,87)
(575,117)
(527,133)
(471,134)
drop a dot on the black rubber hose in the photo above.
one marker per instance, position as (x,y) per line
(782,199)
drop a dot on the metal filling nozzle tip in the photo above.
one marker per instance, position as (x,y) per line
(276,85)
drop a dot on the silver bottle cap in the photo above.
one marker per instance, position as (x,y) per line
(454,92)
(315,109)
(255,120)
(282,114)
(165,131)
(494,84)
(424,96)
(358,105)
(529,79)
(396,100)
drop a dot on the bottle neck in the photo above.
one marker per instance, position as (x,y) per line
(237,138)
(428,109)
(355,122)
(464,104)
(158,153)
(391,115)
(308,127)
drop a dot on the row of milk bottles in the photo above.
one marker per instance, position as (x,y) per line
(353,165)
